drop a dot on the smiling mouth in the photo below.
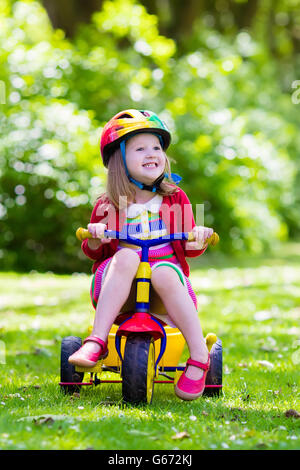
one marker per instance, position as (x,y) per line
(150,165)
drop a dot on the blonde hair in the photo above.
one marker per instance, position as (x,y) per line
(119,188)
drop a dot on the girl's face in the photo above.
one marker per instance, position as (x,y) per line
(145,158)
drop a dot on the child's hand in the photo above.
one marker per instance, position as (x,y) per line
(201,234)
(97,231)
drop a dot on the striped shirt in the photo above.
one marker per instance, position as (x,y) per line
(144,222)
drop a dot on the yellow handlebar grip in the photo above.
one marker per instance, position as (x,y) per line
(82,234)
(210,339)
(213,240)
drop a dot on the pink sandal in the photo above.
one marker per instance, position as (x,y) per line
(188,389)
(89,359)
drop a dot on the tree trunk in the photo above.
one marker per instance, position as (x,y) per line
(68,14)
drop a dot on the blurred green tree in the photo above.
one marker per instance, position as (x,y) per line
(235,132)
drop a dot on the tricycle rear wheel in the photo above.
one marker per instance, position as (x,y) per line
(214,374)
(138,369)
(69,345)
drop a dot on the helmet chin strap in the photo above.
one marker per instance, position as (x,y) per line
(154,186)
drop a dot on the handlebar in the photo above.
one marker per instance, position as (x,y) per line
(82,234)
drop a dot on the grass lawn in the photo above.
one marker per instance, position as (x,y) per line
(252,304)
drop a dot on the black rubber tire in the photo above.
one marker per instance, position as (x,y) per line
(214,375)
(138,369)
(69,345)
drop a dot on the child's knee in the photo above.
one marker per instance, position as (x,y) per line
(126,260)
(164,278)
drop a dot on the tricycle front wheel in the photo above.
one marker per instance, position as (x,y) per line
(138,369)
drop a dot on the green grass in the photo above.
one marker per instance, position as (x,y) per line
(252,304)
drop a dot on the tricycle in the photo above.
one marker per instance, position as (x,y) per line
(142,348)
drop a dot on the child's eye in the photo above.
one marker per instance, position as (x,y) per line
(140,149)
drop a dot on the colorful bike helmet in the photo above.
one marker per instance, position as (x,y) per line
(128,123)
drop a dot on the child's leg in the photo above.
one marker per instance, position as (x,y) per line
(114,293)
(183,313)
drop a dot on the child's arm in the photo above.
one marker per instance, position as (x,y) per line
(97,231)
(201,234)
(192,249)
(96,242)
(96,249)
(196,248)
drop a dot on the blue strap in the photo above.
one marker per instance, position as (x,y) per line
(122,147)
(137,183)
(176,178)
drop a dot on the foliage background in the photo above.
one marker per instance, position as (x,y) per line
(223,75)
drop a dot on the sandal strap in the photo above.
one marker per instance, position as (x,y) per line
(95,339)
(200,365)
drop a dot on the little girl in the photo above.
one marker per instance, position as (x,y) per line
(139,201)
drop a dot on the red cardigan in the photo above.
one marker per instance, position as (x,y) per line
(176,212)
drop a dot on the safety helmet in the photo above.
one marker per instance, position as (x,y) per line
(128,123)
